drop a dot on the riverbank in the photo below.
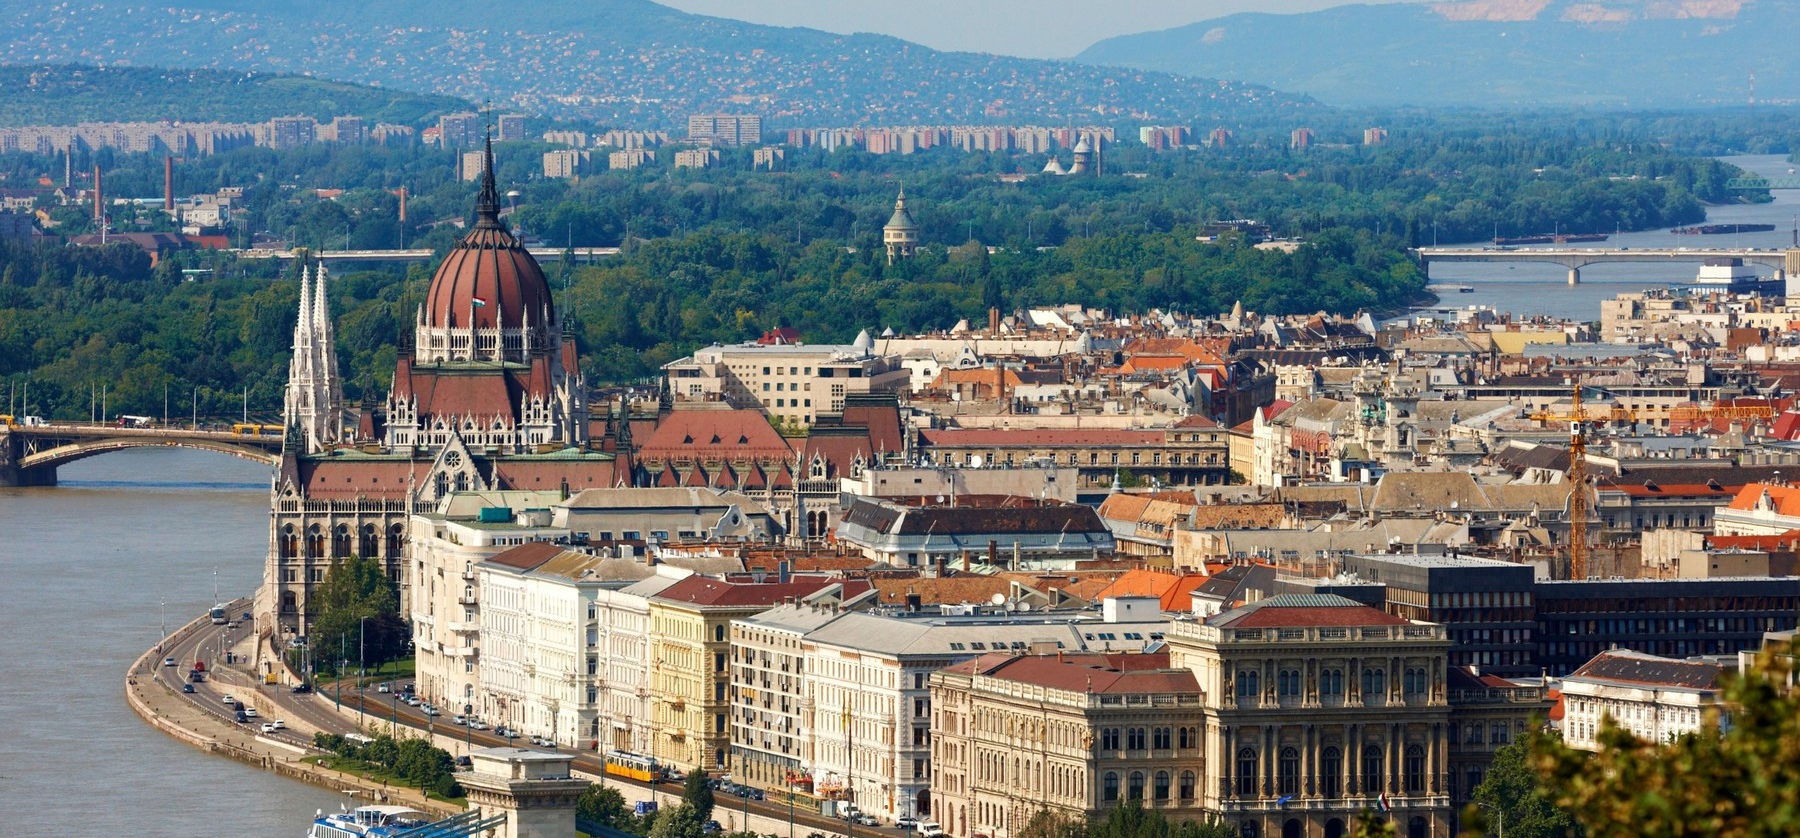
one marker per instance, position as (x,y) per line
(180,718)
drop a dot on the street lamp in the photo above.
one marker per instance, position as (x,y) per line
(395,729)
(467,735)
(1499,817)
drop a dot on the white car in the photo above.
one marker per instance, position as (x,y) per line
(478,724)
(168,661)
(250,711)
(459,719)
(930,829)
(228,699)
(906,822)
(269,727)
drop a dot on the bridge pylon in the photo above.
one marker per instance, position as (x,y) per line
(12,450)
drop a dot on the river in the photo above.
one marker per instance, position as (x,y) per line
(1541,289)
(87,566)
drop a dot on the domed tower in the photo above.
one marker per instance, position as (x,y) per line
(489,362)
(1087,157)
(901,234)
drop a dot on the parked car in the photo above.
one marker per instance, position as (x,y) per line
(712,827)
(906,822)
(463,763)
(930,829)
(864,820)
(187,688)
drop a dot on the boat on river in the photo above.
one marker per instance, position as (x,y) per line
(368,822)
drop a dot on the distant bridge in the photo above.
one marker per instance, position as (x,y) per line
(542,254)
(1575,258)
(30,454)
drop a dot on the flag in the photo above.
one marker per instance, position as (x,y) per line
(1282,801)
(479,302)
(1386,806)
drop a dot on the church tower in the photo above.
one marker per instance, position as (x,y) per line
(314,403)
(901,235)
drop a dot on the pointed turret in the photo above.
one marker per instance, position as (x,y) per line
(312,407)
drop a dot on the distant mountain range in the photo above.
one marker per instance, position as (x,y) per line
(624,61)
(64,94)
(1610,53)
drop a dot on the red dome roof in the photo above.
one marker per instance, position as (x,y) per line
(489,265)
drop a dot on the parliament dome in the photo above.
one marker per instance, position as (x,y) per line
(489,280)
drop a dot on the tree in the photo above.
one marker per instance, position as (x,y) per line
(358,615)
(603,805)
(698,794)
(1739,781)
(678,822)
(1514,792)
(1131,820)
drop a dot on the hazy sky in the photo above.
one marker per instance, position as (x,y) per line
(1033,28)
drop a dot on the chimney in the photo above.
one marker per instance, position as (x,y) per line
(169,183)
(938,561)
(965,561)
(993,552)
(99,201)
(993,319)
(914,602)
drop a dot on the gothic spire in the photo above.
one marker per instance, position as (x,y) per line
(487,206)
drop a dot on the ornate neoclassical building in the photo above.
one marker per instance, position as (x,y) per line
(487,395)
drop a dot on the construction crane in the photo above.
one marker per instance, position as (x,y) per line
(1579,418)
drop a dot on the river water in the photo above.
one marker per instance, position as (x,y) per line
(1531,288)
(86,566)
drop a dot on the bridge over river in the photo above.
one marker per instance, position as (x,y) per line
(29,454)
(1783,262)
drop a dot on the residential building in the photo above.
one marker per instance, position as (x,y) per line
(349,130)
(1071,733)
(690,647)
(631,158)
(654,515)
(725,130)
(287,132)
(768,157)
(697,158)
(1317,708)
(460,130)
(1190,452)
(1674,618)
(1487,713)
(837,704)
(509,126)
(1654,698)
(791,382)
(564,163)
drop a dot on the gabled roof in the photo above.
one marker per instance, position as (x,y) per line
(706,591)
(713,434)
(1170,589)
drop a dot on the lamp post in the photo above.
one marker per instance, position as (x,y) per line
(361,668)
(1499,818)
(467,727)
(394,730)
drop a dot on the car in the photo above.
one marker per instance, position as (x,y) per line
(168,661)
(930,829)
(302,688)
(712,827)
(848,811)
(414,701)
(643,807)
(431,711)
(227,699)
(459,719)
(250,711)
(384,688)
(478,724)
(279,724)
(753,794)
(241,717)
(187,688)
(674,775)
(269,727)
(906,822)
(463,763)
(861,819)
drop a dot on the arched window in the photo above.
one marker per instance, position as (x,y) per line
(1134,789)
(1374,683)
(1134,739)
(719,633)
(1331,682)
(1287,683)
(1372,763)
(1246,772)
(290,542)
(1331,772)
(371,541)
(1187,785)
(396,537)
(1247,686)
(1161,788)
(1414,767)
(1185,736)
(315,542)
(340,541)
(1287,771)
(1109,787)
(1416,682)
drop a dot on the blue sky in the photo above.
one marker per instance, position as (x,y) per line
(1031,28)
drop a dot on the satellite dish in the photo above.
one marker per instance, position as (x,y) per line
(998,599)
(940,498)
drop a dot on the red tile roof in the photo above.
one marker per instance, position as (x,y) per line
(1040,437)
(1305,611)
(707,591)
(720,434)
(1087,672)
(1171,589)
